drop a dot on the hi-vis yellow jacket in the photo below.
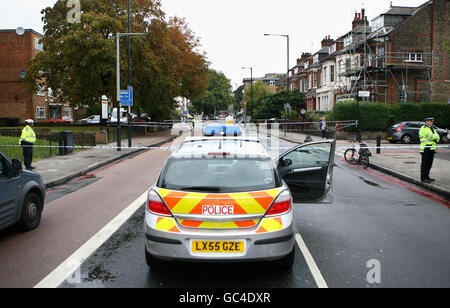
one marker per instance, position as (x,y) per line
(28,135)
(428,138)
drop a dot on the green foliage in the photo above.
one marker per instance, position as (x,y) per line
(254,96)
(95,109)
(292,115)
(379,116)
(272,106)
(218,95)
(79,60)
(315,116)
(238,98)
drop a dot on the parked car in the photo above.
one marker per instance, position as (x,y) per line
(22,195)
(408,132)
(95,119)
(226,200)
(61,120)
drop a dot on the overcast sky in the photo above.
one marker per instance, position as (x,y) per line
(232,31)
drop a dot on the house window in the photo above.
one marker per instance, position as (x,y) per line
(325,77)
(414,57)
(41,91)
(37,45)
(50,92)
(40,112)
(315,80)
(68,113)
(332,73)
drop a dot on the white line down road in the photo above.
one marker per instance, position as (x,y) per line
(70,266)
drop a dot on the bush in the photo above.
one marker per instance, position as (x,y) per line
(379,116)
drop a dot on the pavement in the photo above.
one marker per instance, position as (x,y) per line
(58,170)
(402,161)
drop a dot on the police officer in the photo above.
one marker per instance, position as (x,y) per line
(428,148)
(27,140)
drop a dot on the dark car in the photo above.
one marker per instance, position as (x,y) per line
(22,195)
(408,132)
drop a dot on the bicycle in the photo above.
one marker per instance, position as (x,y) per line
(358,154)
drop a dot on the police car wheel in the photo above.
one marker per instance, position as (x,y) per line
(153,262)
(286,262)
(31,212)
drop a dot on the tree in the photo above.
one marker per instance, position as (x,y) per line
(218,95)
(260,92)
(273,105)
(79,60)
(238,95)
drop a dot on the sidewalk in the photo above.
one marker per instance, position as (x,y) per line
(61,169)
(401,162)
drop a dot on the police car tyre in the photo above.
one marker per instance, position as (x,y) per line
(153,262)
(286,262)
(31,212)
(349,156)
(406,139)
(444,139)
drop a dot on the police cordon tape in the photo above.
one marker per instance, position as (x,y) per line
(175,147)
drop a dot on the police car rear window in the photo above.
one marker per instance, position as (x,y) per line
(219,175)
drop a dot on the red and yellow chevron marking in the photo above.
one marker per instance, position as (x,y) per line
(270,225)
(243,203)
(166,224)
(218,225)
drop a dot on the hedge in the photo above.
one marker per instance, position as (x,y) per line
(380,116)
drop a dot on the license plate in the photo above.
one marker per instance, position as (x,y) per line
(218,246)
(390,138)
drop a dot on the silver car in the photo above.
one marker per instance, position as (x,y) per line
(227,200)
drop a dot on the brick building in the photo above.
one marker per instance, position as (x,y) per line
(15,101)
(399,56)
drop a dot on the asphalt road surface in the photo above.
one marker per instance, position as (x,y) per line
(375,223)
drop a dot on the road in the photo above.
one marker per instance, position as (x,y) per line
(372,219)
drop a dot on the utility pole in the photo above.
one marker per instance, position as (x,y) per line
(129,77)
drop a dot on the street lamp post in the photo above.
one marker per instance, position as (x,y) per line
(129,76)
(118,36)
(251,94)
(288,85)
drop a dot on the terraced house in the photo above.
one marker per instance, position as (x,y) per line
(399,56)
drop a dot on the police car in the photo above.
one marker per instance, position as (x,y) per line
(226,200)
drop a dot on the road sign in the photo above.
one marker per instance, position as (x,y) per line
(126,97)
(287,108)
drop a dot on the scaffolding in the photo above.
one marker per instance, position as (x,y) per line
(366,66)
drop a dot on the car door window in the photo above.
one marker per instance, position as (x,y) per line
(308,171)
(318,155)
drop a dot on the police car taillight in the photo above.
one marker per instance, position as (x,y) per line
(282,205)
(156,206)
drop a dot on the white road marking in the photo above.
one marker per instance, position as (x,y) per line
(69,266)
(311,263)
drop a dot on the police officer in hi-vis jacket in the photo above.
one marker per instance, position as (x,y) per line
(27,140)
(429,139)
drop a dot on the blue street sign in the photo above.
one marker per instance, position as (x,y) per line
(126,97)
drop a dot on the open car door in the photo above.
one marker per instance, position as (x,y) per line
(308,171)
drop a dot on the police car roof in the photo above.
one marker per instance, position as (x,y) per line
(230,145)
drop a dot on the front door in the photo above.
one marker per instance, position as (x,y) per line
(308,171)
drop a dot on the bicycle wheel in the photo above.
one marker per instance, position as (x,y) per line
(351,156)
(365,161)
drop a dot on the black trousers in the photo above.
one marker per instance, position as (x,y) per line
(324,134)
(427,163)
(27,154)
